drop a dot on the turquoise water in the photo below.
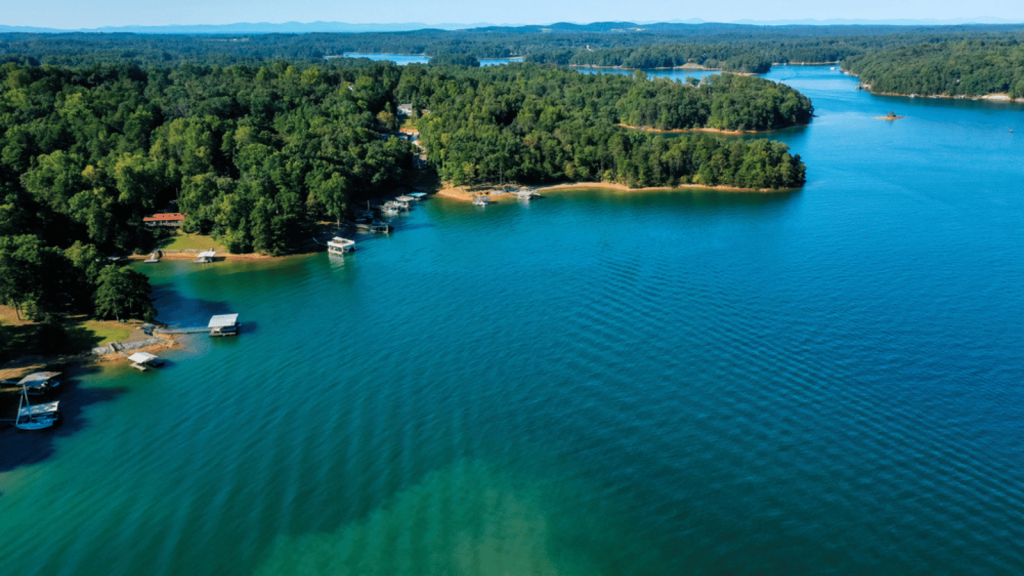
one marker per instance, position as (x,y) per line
(825,381)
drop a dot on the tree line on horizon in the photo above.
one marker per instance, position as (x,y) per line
(730,47)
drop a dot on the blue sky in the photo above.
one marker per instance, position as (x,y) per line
(73,14)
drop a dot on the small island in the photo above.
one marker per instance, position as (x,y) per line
(890,116)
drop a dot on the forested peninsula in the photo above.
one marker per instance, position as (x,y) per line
(969,68)
(535,124)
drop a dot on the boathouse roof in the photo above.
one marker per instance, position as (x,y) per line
(37,379)
(142,357)
(223,321)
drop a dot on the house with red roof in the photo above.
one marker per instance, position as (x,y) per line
(172,219)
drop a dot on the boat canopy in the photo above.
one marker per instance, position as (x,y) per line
(37,379)
(38,409)
(142,357)
(208,254)
(339,241)
(417,194)
(223,321)
(405,198)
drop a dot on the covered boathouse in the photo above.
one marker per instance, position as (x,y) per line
(224,325)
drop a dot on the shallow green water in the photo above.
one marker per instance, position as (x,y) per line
(826,381)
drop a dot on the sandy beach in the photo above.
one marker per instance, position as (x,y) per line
(221,256)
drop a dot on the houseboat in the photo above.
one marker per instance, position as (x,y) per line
(380,227)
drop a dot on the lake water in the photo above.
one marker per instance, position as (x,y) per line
(403,59)
(819,382)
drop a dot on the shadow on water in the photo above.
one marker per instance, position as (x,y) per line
(27,448)
(178,310)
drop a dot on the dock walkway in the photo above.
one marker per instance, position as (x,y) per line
(189,330)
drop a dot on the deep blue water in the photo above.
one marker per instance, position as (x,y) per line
(819,382)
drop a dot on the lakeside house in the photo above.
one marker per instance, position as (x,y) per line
(169,219)
(406,110)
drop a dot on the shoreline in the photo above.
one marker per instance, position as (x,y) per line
(1001,97)
(253,257)
(20,367)
(465,194)
(707,130)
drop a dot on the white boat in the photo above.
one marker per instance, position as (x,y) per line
(339,245)
(36,417)
(481,201)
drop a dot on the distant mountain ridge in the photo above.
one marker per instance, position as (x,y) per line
(343,27)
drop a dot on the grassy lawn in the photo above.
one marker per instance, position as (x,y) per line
(92,333)
(182,241)
(21,337)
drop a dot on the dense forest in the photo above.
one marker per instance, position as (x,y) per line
(252,154)
(965,68)
(535,124)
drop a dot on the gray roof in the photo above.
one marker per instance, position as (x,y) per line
(208,253)
(223,320)
(37,379)
(141,357)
